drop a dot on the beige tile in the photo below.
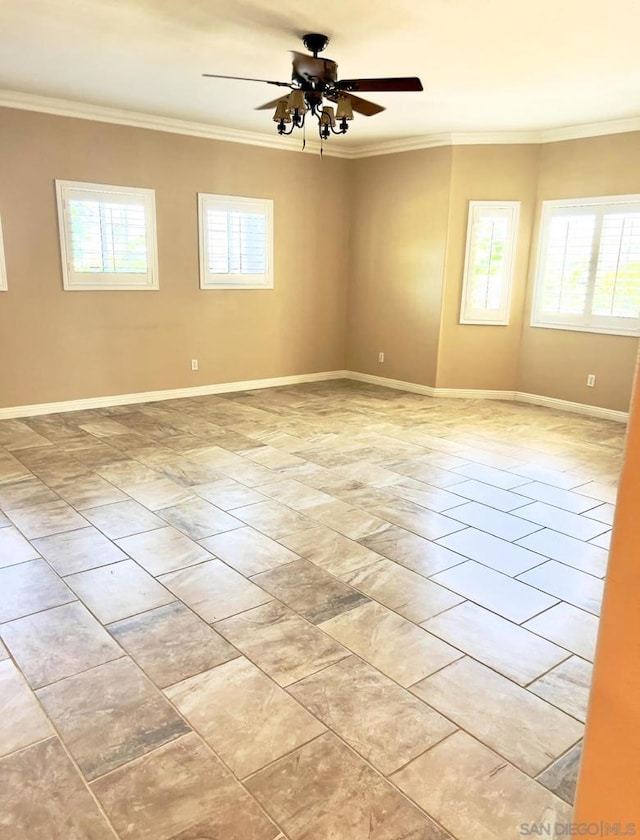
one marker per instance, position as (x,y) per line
(412,517)
(425,495)
(504,525)
(402,590)
(248,551)
(215,591)
(486,494)
(598,490)
(42,795)
(323,790)
(567,687)
(25,492)
(181,792)
(536,472)
(556,496)
(309,590)
(246,717)
(122,519)
(160,493)
(474,793)
(163,550)
(14,548)
(57,643)
(560,520)
(528,732)
(416,553)
(567,584)
(30,587)
(347,520)
(284,645)
(119,590)
(570,627)
(199,519)
(228,494)
(23,721)
(89,491)
(330,550)
(273,519)
(126,473)
(497,592)
(492,551)
(603,541)
(170,643)
(383,722)
(506,647)
(134,718)
(47,518)
(295,494)
(562,777)
(390,643)
(490,475)
(77,551)
(603,513)
(581,555)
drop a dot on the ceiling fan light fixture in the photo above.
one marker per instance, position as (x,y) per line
(282,113)
(344,111)
(297,102)
(328,116)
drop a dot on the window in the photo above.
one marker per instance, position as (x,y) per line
(236,242)
(488,264)
(588,274)
(107,237)
(3,267)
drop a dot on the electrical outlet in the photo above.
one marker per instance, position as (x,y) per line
(381,357)
(194,364)
(591,380)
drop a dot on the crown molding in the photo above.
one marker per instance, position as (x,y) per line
(152,122)
(116,116)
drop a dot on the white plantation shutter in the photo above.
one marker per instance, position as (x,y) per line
(235,242)
(588,275)
(107,235)
(488,269)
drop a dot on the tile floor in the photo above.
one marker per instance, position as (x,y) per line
(324,612)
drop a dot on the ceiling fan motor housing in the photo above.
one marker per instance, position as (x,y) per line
(315,42)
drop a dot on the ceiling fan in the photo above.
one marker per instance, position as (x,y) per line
(314,79)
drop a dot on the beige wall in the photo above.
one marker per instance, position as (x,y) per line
(399,231)
(368,258)
(555,363)
(57,345)
(479,356)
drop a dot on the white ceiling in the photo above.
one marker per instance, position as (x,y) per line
(486,65)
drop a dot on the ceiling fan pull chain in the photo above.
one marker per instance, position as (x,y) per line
(304,136)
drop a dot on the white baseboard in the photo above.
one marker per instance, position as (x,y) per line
(576,408)
(173,394)
(397,384)
(479,394)
(280,381)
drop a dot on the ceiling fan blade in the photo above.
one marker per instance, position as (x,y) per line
(404,83)
(245,79)
(361,106)
(268,106)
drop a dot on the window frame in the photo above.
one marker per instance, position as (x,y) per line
(489,317)
(234,202)
(4,286)
(587,322)
(77,281)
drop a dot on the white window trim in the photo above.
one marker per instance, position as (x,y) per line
(234,281)
(568,322)
(471,316)
(3,266)
(95,281)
